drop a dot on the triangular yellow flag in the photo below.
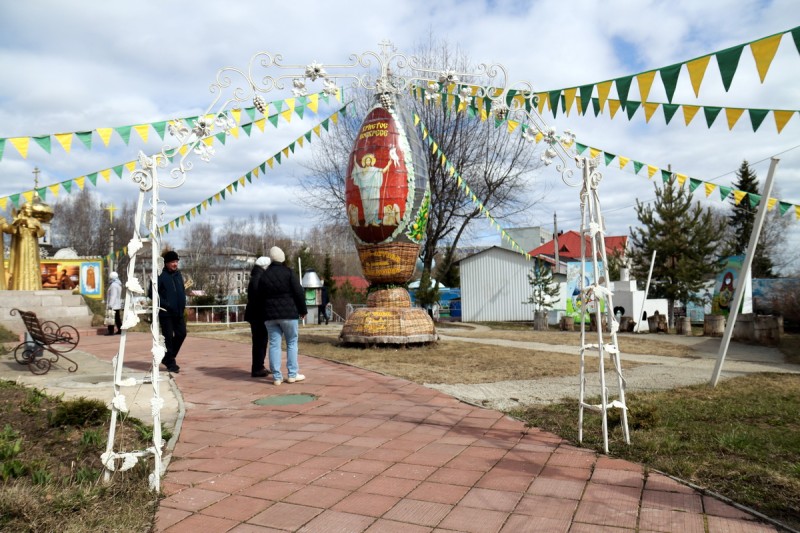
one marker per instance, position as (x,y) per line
(54,189)
(218,197)
(300,140)
(193,211)
(645,81)
(21,144)
(434,146)
(781,118)
(651,170)
(3,203)
(290,103)
(335,118)
(28,196)
(738,196)
(255,172)
(316,130)
(602,93)
(287,115)
(772,202)
(106,173)
(733,114)
(208,141)
(271,161)
(65,140)
(131,166)
(594,152)
(313,103)
(539,137)
(512,125)
(543,97)
(241,181)
(105,134)
(237,115)
(613,107)
(710,187)
(622,161)
(234,132)
(569,98)
(697,70)
(689,111)
(80,182)
(229,187)
(649,109)
(797,212)
(764,52)
(286,151)
(142,130)
(681,178)
(182,149)
(260,124)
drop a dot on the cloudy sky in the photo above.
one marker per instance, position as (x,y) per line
(77,67)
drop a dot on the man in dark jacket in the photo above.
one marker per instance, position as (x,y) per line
(284,302)
(254,313)
(171,304)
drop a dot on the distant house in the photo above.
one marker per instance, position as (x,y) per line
(358,283)
(569,246)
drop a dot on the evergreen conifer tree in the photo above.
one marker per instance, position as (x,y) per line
(741,222)
(685,237)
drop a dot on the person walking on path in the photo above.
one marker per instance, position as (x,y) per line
(284,303)
(114,302)
(172,303)
(254,314)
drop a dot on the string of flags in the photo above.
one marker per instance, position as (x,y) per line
(464,187)
(283,108)
(77,184)
(481,107)
(256,172)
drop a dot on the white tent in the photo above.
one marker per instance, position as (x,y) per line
(415,284)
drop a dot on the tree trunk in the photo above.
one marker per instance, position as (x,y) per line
(540,320)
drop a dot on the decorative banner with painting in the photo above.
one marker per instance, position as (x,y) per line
(574,300)
(77,275)
(91,282)
(725,286)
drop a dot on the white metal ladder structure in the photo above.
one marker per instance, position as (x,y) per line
(596,298)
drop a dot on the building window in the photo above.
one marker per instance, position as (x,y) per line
(213,278)
(238,276)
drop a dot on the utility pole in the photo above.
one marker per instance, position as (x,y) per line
(111,208)
(555,242)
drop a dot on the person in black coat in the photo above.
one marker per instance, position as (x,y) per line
(283,304)
(254,314)
(171,304)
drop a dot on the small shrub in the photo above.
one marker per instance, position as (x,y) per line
(10,444)
(80,412)
(41,476)
(86,475)
(91,438)
(12,468)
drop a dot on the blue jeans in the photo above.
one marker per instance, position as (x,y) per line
(287,328)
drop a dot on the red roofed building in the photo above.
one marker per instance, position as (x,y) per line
(358,283)
(569,246)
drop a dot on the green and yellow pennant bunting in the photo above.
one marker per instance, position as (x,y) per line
(130,166)
(464,187)
(284,108)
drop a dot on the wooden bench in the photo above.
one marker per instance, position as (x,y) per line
(44,336)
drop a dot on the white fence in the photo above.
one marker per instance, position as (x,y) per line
(215,314)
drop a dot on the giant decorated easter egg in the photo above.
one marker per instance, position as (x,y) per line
(386,190)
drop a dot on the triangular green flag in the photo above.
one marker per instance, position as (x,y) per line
(42,193)
(222,193)
(665,175)
(249,176)
(324,97)
(188,215)
(210,200)
(166,228)
(125,133)
(472,111)
(757,116)
(199,208)
(325,124)
(220,137)
(608,157)
(693,184)
(711,113)
(278,105)
(263,167)
(783,207)
(623,87)
(251,112)
(631,106)
(299,110)
(67,186)
(753,198)
(724,192)
(273,119)
(43,141)
(236,185)
(278,157)
(308,136)
(510,96)
(796,37)
(669,77)
(15,198)
(580,148)
(554,98)
(728,61)
(86,138)
(93,178)
(247,128)
(669,111)
(118,170)
(2,147)
(291,147)
(586,96)
(596,106)
(637,166)
(160,127)
(497,122)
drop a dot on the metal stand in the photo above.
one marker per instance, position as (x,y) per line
(597,299)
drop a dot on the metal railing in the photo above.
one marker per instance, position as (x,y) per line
(215,314)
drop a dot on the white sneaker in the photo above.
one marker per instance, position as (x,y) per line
(298,377)
(277,382)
